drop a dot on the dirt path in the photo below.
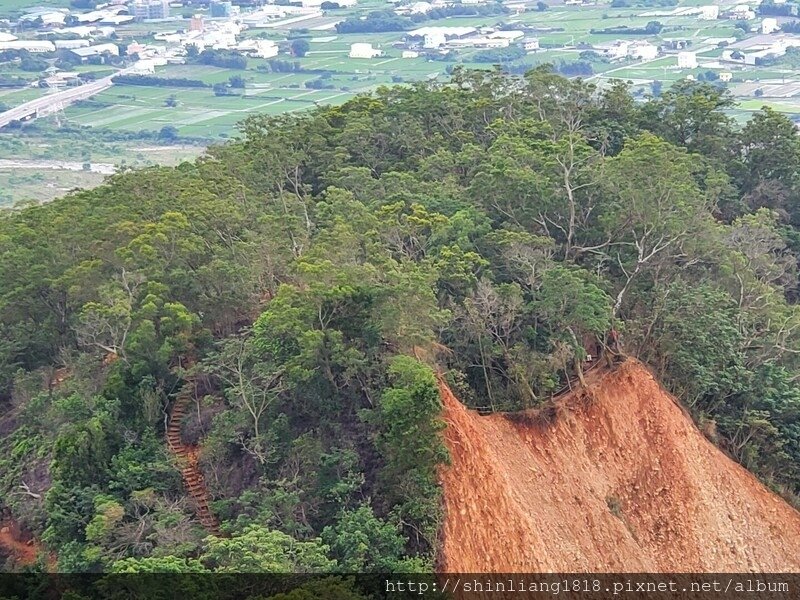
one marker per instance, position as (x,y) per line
(187,458)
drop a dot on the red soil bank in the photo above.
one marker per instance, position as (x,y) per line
(617,480)
(22,549)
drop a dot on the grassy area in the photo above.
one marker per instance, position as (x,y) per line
(11,97)
(13,8)
(48,146)
(20,185)
(199,112)
(47,143)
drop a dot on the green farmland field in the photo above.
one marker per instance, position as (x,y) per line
(199,112)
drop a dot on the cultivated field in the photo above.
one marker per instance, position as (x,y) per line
(563,33)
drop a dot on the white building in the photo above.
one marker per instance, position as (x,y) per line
(709,13)
(409,54)
(95,15)
(725,76)
(143,10)
(448,32)
(506,35)
(29,45)
(716,41)
(363,50)
(97,50)
(642,50)
(117,20)
(144,67)
(264,15)
(420,8)
(170,37)
(58,80)
(531,44)
(258,48)
(614,50)
(778,48)
(769,25)
(218,40)
(49,17)
(480,42)
(742,12)
(7,37)
(70,44)
(81,30)
(434,40)
(687,60)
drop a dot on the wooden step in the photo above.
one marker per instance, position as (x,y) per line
(187,463)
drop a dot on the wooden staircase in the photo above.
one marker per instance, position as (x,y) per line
(187,459)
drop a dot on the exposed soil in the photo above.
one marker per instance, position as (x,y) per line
(14,544)
(18,545)
(616,478)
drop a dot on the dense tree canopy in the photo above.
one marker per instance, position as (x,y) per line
(306,280)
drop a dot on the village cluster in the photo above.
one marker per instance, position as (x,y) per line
(93,34)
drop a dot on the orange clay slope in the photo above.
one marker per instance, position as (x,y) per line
(617,479)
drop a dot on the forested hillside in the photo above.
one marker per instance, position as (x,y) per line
(303,284)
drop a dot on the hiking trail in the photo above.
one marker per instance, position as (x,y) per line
(188,460)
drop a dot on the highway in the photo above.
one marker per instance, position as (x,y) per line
(52,103)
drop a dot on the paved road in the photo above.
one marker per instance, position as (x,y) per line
(52,102)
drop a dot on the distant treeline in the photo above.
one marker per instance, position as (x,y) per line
(771,8)
(277,65)
(147,80)
(571,68)
(86,133)
(790,27)
(652,28)
(12,81)
(281,66)
(226,59)
(499,55)
(463,10)
(642,3)
(379,21)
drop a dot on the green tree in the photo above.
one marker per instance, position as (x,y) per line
(363,543)
(769,150)
(259,550)
(569,302)
(650,215)
(152,564)
(412,448)
(300,47)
